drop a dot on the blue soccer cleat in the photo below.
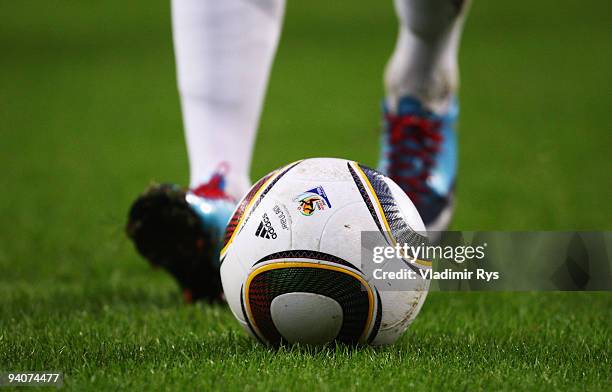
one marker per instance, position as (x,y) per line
(419,152)
(181,231)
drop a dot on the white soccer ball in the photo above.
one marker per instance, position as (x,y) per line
(291,263)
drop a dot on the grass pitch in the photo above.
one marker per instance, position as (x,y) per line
(90,114)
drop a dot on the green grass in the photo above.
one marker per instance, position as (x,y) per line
(132,337)
(90,114)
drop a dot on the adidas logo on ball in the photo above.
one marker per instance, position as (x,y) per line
(265,229)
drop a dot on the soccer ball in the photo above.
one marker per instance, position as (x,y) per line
(291,259)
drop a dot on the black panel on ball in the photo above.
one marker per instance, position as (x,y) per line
(285,278)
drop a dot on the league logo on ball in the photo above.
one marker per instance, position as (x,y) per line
(312,200)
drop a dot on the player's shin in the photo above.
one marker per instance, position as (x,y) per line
(224,52)
(424,62)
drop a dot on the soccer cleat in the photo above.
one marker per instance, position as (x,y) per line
(181,231)
(419,152)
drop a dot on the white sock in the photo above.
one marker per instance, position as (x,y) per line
(224,51)
(424,64)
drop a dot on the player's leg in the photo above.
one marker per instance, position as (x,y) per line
(421,79)
(224,52)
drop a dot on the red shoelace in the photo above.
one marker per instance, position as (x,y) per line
(213,189)
(412,138)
